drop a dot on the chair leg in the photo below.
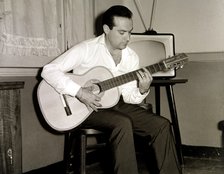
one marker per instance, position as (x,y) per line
(83,154)
(68,155)
(76,151)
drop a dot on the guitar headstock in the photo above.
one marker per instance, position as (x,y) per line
(175,62)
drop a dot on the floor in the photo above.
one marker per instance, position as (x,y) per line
(192,166)
(203,166)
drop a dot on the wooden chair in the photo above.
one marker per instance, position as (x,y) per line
(77,148)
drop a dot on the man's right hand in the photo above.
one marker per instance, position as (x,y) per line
(86,96)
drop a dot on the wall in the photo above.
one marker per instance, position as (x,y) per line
(197,25)
(199,102)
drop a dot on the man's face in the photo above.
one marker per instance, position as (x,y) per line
(119,36)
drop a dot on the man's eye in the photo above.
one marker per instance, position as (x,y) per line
(121,32)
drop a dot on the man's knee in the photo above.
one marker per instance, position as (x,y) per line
(124,123)
(165,123)
(123,128)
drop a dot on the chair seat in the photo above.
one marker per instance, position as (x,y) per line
(89,131)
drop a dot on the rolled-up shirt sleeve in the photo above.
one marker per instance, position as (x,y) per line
(130,91)
(55,73)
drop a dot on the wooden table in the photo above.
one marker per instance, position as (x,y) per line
(168,84)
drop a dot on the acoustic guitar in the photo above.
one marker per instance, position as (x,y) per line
(63,112)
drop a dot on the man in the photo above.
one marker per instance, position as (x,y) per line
(125,120)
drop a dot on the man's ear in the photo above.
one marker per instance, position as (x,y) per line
(106,29)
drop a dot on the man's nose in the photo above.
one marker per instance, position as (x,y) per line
(128,36)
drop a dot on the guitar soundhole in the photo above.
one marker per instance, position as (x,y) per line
(95,87)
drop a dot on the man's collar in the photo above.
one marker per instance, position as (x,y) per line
(101,39)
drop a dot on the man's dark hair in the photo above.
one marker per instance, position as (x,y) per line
(117,10)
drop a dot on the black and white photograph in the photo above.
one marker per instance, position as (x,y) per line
(112,86)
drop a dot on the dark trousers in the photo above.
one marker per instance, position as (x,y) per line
(125,121)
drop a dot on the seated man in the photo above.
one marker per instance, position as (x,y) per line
(125,120)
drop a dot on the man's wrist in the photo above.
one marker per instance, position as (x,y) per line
(79,93)
(143,91)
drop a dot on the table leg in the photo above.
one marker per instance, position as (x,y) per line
(173,112)
(157,99)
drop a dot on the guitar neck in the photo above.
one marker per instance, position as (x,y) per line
(131,76)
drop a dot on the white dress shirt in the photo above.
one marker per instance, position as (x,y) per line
(85,56)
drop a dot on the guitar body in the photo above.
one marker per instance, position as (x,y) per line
(52,107)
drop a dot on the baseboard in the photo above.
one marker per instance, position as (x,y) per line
(203,152)
(56,168)
(188,151)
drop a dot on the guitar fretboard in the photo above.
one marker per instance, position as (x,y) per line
(131,76)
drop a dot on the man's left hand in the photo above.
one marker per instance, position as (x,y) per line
(145,80)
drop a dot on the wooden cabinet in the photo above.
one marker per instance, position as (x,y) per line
(10,128)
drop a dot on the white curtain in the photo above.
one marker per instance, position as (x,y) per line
(79,21)
(29,27)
